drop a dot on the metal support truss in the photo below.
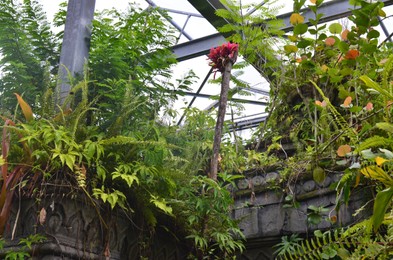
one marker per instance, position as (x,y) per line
(239,100)
(198,91)
(247,123)
(171,21)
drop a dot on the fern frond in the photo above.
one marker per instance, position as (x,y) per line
(388,127)
(374,142)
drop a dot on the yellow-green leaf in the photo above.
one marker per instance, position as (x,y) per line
(292,38)
(377,173)
(372,84)
(161,204)
(335,28)
(26,109)
(290,48)
(381,13)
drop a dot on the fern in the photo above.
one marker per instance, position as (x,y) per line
(374,142)
(323,246)
(388,127)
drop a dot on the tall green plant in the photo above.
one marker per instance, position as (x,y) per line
(29,52)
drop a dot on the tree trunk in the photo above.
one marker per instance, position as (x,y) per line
(226,77)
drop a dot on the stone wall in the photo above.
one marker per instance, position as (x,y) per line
(266,216)
(73,229)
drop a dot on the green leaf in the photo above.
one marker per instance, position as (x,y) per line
(355,109)
(318,175)
(101,172)
(372,84)
(381,204)
(335,28)
(343,46)
(368,154)
(70,161)
(343,253)
(304,43)
(300,28)
(112,199)
(318,233)
(129,179)
(373,34)
(373,142)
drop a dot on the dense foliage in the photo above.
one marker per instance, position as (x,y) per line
(107,143)
(331,96)
(331,99)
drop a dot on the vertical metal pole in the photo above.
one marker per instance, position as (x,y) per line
(76,44)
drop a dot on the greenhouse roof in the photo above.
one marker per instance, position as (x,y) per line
(197,25)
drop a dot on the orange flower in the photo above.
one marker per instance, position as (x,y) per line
(344,35)
(369,106)
(330,41)
(321,104)
(352,54)
(347,102)
(343,150)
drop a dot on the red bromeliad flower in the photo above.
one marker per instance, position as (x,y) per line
(218,56)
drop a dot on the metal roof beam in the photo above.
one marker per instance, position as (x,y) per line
(240,100)
(197,47)
(247,124)
(332,10)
